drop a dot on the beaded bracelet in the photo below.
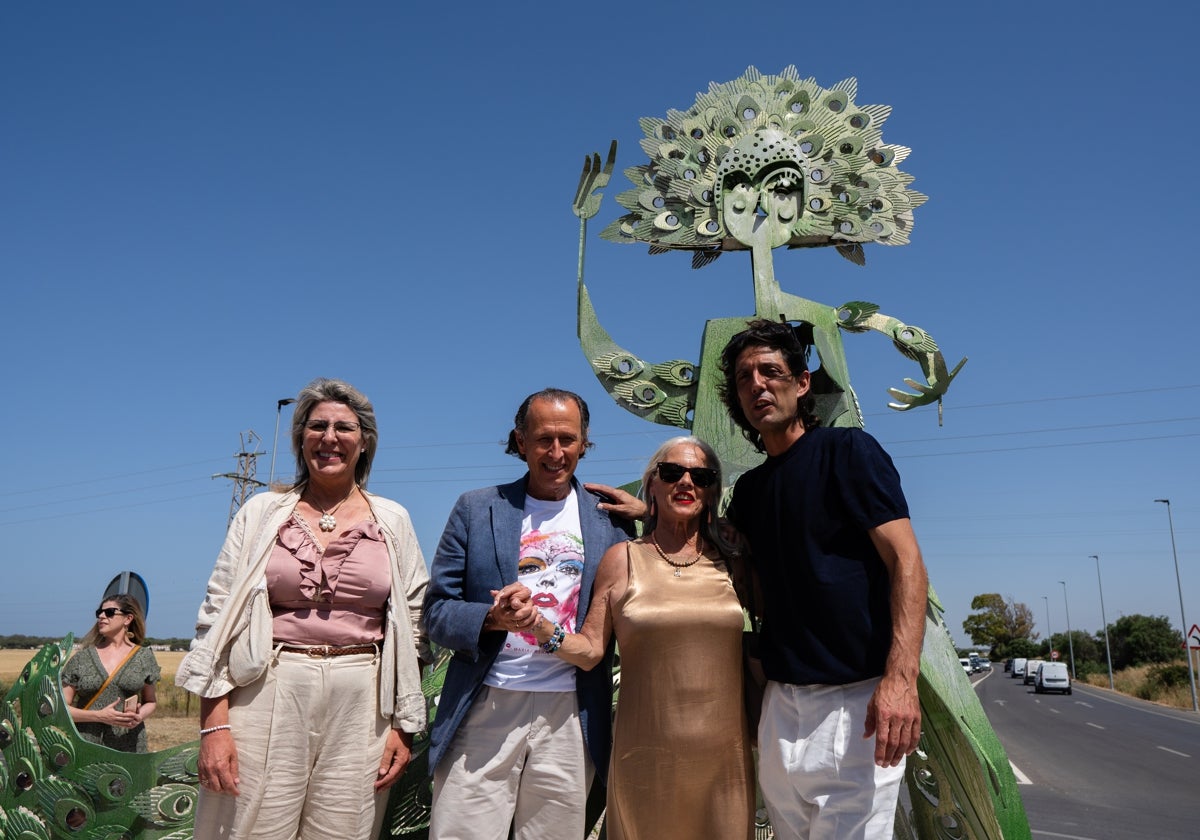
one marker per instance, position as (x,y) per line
(216,728)
(556,639)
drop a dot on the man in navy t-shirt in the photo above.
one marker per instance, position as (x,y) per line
(843,605)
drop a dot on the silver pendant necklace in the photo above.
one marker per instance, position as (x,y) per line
(328,522)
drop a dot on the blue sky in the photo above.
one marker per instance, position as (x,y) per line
(204,206)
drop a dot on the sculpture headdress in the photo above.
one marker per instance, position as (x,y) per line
(819,155)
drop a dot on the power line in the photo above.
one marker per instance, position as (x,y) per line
(1044,446)
(1093,427)
(1067,398)
(647,433)
(99,495)
(60,516)
(30,490)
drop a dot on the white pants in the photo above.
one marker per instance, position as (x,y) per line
(309,739)
(817,772)
(518,759)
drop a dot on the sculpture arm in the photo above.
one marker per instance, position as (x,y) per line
(913,342)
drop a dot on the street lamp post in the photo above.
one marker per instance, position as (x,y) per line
(278,408)
(1049,632)
(1182,615)
(1070,641)
(1104,621)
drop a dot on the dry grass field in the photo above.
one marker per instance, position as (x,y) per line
(175,721)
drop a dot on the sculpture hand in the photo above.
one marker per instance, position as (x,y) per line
(587,199)
(937,383)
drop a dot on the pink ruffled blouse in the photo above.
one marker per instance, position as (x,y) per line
(333,597)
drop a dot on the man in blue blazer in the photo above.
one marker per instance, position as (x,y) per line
(519,732)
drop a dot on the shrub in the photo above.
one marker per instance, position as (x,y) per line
(1169,676)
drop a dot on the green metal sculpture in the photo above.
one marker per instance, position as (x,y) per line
(755,164)
(54,784)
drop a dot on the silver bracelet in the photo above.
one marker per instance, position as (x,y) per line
(216,728)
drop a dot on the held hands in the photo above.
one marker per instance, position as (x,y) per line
(512,610)
(894,718)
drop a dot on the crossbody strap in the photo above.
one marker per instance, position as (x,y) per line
(111,676)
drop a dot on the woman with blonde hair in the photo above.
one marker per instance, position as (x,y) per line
(308,648)
(108,683)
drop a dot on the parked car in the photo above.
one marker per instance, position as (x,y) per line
(966,665)
(1052,676)
(1031,667)
(1018,667)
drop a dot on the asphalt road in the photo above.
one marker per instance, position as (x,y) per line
(1097,765)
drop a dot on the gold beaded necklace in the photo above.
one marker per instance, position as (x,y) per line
(679,567)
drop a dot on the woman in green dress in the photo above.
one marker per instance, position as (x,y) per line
(109,682)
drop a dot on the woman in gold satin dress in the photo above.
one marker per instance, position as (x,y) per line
(681,763)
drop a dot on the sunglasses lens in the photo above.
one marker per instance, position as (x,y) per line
(670,473)
(701,476)
(107,612)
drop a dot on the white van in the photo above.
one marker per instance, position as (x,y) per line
(1031,666)
(1018,669)
(1052,676)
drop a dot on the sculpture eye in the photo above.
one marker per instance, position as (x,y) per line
(640,393)
(619,365)
(667,220)
(681,373)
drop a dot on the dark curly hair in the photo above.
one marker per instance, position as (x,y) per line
(521,420)
(774,336)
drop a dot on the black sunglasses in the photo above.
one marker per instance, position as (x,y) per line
(701,476)
(109,612)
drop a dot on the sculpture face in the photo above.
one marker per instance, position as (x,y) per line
(764,211)
(762,189)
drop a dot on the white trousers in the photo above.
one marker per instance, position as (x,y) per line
(518,759)
(817,772)
(309,739)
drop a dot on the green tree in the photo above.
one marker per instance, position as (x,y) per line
(997,623)
(1018,648)
(1143,639)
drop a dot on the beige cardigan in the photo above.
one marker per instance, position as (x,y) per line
(233,629)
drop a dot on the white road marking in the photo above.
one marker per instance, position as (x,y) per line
(1098,726)
(1081,703)
(1063,836)
(1174,752)
(1000,702)
(1056,711)
(1022,779)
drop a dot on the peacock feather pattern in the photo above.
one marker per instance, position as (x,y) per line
(803,138)
(54,784)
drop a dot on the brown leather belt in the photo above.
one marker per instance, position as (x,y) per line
(322,651)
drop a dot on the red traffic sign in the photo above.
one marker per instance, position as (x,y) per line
(1193,636)
(1053,656)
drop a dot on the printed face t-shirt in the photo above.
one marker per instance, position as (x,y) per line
(551,565)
